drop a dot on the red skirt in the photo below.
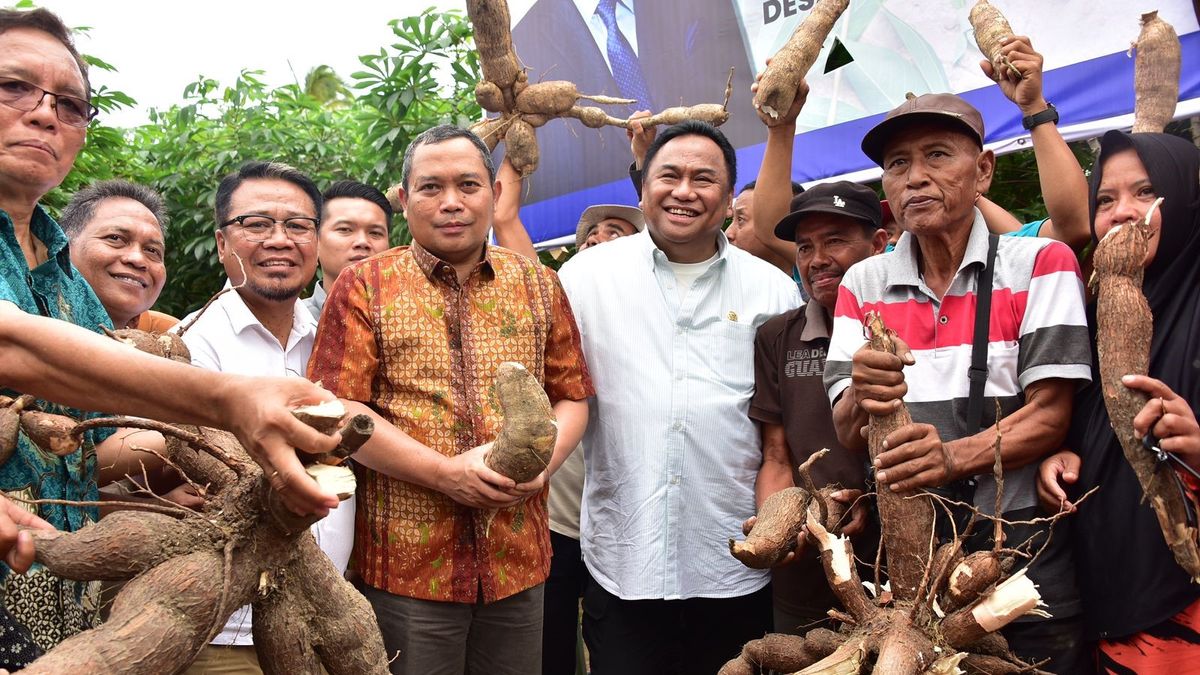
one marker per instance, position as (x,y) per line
(1171,647)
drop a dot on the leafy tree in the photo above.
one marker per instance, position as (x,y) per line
(326,129)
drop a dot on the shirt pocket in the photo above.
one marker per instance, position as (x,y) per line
(729,348)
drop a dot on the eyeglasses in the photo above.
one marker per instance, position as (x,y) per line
(26,97)
(260,228)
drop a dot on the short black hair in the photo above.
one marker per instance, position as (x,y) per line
(441,134)
(82,207)
(263,171)
(48,22)
(352,189)
(796,187)
(693,128)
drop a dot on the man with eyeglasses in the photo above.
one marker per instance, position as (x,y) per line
(43,118)
(267,220)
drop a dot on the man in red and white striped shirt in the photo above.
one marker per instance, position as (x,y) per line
(935,167)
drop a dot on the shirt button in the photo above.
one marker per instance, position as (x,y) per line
(677,426)
(943,319)
(679,331)
(674,480)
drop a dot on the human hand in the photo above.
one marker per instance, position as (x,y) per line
(877,378)
(466,479)
(1057,470)
(799,549)
(914,457)
(640,137)
(16,545)
(1169,417)
(1024,89)
(857,509)
(185,495)
(258,411)
(789,118)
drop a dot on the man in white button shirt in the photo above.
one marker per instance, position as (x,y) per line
(267,218)
(668,318)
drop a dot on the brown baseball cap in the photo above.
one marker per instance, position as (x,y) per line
(946,108)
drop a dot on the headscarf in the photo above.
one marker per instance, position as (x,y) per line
(1117,532)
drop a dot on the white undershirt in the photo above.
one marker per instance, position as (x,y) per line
(686,273)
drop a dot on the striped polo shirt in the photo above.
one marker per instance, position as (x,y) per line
(1038,331)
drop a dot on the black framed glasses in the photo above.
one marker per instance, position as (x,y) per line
(23,96)
(259,228)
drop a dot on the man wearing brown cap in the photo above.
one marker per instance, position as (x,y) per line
(834,226)
(1026,355)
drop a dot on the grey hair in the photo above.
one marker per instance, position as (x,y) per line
(82,207)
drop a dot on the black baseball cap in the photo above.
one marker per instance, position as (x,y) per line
(841,198)
(944,108)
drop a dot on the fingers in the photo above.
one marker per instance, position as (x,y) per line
(1148,385)
(858,512)
(22,517)
(902,350)
(917,459)
(530,488)
(930,477)
(988,70)
(749,525)
(20,556)
(299,492)
(904,444)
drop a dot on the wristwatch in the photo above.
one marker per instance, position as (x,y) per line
(1050,114)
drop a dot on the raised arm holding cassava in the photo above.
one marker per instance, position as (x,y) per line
(930,149)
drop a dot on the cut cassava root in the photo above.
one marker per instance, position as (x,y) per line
(783,517)
(991,29)
(525,444)
(781,80)
(906,631)
(189,573)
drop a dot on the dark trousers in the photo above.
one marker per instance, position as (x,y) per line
(1057,642)
(560,620)
(670,637)
(456,638)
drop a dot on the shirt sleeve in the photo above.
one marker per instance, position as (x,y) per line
(1054,340)
(567,376)
(345,357)
(846,339)
(1032,229)
(765,406)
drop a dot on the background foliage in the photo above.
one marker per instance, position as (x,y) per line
(330,128)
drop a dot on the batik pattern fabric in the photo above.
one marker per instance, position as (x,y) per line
(401,334)
(49,608)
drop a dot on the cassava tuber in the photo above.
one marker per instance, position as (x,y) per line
(1155,74)
(781,80)
(525,444)
(521,147)
(991,29)
(51,433)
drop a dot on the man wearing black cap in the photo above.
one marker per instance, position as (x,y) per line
(1028,353)
(834,226)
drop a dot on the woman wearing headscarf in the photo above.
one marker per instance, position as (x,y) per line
(1139,604)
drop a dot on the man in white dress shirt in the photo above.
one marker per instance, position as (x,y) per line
(267,221)
(668,318)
